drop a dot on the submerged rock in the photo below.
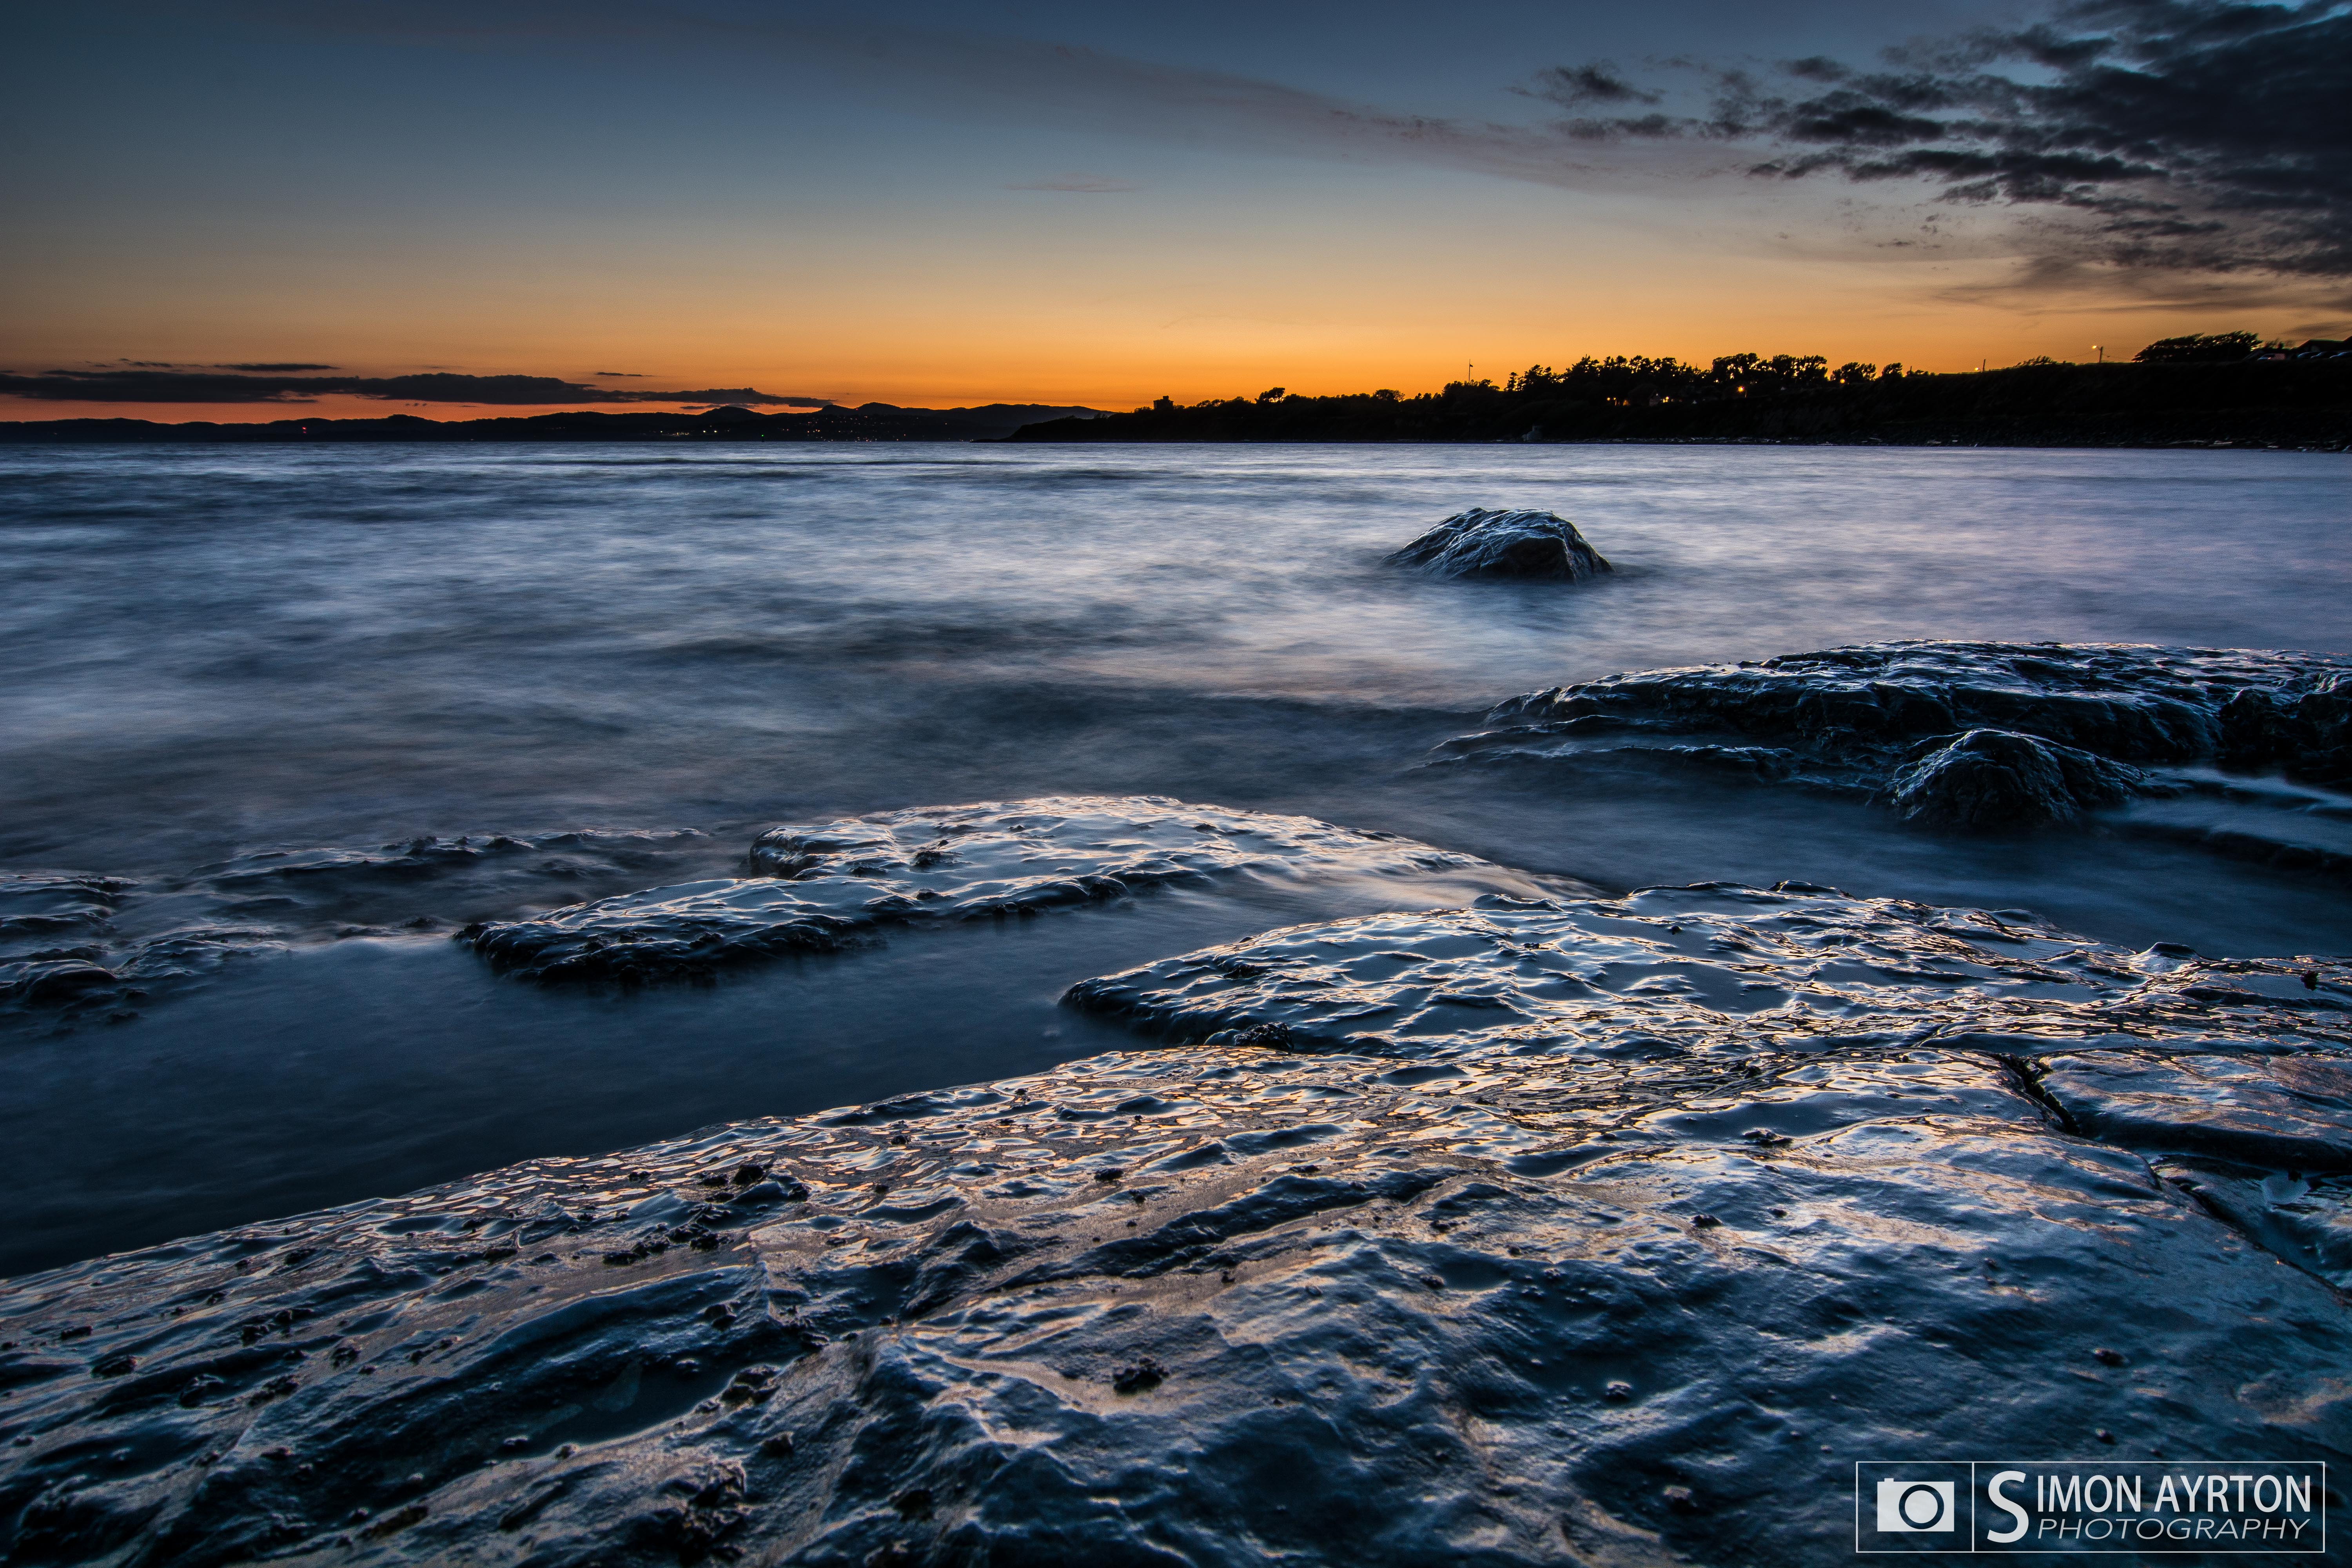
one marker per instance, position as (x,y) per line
(1480,543)
(1995,778)
(46,905)
(836,884)
(1605,1231)
(100,976)
(78,949)
(1959,734)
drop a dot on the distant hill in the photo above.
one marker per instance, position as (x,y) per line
(870,422)
(2286,400)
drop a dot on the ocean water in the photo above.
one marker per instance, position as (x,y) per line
(218,655)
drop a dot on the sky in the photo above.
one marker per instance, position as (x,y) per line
(261,210)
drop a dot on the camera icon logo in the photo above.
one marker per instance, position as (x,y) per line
(1908,1506)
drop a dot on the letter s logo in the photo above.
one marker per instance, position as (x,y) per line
(1993,1490)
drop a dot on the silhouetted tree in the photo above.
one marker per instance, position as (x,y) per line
(2198,348)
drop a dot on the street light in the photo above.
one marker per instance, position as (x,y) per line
(2101,349)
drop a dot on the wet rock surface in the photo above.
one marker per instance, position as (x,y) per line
(2291,1113)
(832,885)
(2304,728)
(1995,778)
(1484,542)
(1569,1231)
(1957,734)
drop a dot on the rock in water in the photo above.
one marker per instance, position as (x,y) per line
(1485,543)
(1973,734)
(2139,704)
(829,886)
(1997,778)
(2302,728)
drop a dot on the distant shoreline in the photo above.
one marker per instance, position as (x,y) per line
(2292,403)
(75,433)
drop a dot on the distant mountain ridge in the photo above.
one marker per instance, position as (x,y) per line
(729,421)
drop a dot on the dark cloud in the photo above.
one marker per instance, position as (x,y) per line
(630,375)
(2173,136)
(167,386)
(273,367)
(1596,81)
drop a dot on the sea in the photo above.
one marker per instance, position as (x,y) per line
(346,699)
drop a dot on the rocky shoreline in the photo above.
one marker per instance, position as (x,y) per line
(1598,1231)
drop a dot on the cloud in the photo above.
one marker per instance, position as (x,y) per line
(1596,81)
(631,374)
(271,367)
(2155,137)
(171,386)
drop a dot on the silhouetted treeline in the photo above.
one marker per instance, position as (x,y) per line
(2289,397)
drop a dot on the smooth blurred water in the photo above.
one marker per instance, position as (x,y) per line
(214,645)
(212,650)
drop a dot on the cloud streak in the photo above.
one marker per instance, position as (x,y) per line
(150,384)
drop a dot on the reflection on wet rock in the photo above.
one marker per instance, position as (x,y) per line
(2294,1112)
(835,884)
(1484,542)
(1607,976)
(1603,1230)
